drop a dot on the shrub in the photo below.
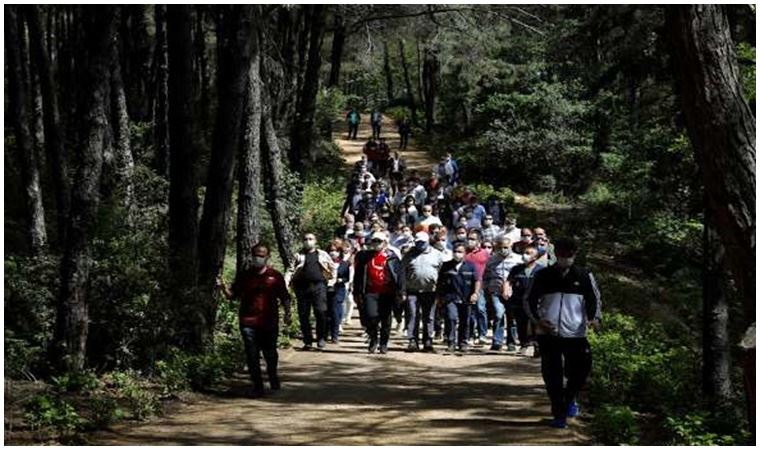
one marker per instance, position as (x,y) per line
(46,410)
(84,382)
(105,411)
(615,425)
(21,357)
(694,429)
(142,402)
(321,199)
(503,194)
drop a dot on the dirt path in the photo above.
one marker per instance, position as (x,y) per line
(344,396)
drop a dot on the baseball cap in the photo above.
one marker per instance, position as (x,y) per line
(422,236)
(380,235)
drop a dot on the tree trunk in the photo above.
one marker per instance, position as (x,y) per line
(249,173)
(72,315)
(19,107)
(407,81)
(430,67)
(387,71)
(276,179)
(183,200)
(420,91)
(124,165)
(336,52)
(303,120)
(722,131)
(716,346)
(234,64)
(160,116)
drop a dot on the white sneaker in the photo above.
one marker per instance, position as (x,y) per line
(482,341)
(340,328)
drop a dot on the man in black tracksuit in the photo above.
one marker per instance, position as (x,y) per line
(562,301)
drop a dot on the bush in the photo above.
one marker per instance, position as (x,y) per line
(105,411)
(322,199)
(694,429)
(484,191)
(615,425)
(21,357)
(46,410)
(142,402)
(84,382)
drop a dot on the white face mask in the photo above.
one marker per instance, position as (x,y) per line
(505,252)
(564,262)
(334,254)
(309,245)
(259,262)
(527,258)
(458,257)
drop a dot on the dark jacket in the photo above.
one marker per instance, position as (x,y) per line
(568,301)
(520,282)
(392,265)
(456,285)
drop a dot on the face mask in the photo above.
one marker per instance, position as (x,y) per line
(407,233)
(505,252)
(458,257)
(527,238)
(527,258)
(309,245)
(564,262)
(488,223)
(421,245)
(461,237)
(334,254)
(259,262)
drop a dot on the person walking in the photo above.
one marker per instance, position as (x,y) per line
(478,256)
(519,279)
(354,118)
(563,301)
(312,270)
(261,290)
(457,289)
(404,130)
(495,276)
(419,268)
(376,120)
(336,290)
(377,287)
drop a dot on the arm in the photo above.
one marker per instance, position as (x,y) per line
(594,303)
(229,293)
(533,292)
(284,296)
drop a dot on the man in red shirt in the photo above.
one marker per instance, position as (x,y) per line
(259,289)
(478,257)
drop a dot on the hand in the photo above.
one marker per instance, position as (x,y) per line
(546,325)
(474,298)
(595,325)
(220,282)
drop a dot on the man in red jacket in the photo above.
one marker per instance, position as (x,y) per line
(259,289)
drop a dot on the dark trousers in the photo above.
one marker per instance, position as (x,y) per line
(352,130)
(560,358)
(377,316)
(526,337)
(458,318)
(420,307)
(258,341)
(403,141)
(376,130)
(335,300)
(312,296)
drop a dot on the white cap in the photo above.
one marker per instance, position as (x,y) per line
(379,235)
(422,236)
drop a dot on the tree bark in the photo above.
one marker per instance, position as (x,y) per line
(716,346)
(72,315)
(249,173)
(336,51)
(19,107)
(234,64)
(388,74)
(722,131)
(430,67)
(124,164)
(303,120)
(276,179)
(407,81)
(160,116)
(183,200)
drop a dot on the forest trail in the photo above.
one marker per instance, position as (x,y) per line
(344,396)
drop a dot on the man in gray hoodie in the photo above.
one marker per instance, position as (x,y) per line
(419,269)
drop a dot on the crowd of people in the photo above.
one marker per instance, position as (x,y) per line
(449,269)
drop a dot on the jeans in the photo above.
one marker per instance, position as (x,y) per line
(479,317)
(560,358)
(498,320)
(258,341)
(353,128)
(524,329)
(335,300)
(312,296)
(420,307)
(458,318)
(377,316)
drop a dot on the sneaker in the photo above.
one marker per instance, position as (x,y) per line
(511,347)
(373,347)
(482,340)
(573,409)
(275,384)
(336,341)
(451,349)
(383,349)
(412,347)
(438,336)
(464,347)
(321,344)
(428,349)
(254,392)
(558,423)
(397,330)
(306,347)
(496,347)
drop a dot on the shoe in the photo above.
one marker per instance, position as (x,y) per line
(275,384)
(451,349)
(428,349)
(254,392)
(383,349)
(511,347)
(306,347)
(438,336)
(482,341)
(464,347)
(496,347)
(340,328)
(523,351)
(373,347)
(321,344)
(573,409)
(336,341)
(398,328)
(558,423)
(412,347)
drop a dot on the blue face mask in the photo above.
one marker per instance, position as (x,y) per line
(421,245)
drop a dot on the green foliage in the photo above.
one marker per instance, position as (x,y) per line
(615,425)
(142,402)
(105,411)
(747,68)
(84,382)
(21,357)
(486,191)
(695,429)
(321,199)
(46,410)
